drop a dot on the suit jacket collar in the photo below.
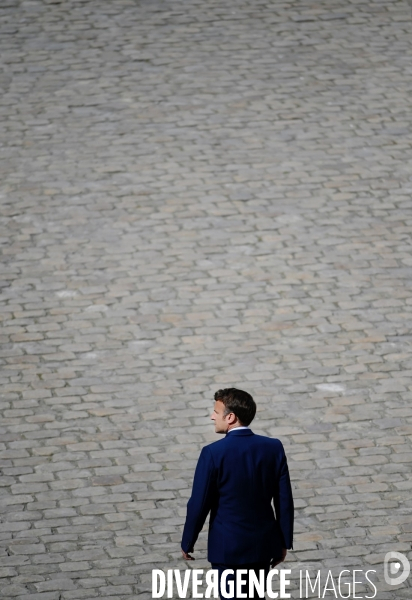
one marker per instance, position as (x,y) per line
(240,432)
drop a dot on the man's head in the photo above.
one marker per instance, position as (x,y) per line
(233,408)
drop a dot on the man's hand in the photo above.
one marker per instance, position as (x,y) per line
(187,556)
(277,561)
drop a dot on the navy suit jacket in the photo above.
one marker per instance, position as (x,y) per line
(236,480)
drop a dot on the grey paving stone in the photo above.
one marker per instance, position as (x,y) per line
(194,199)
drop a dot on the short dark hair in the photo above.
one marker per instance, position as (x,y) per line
(238,402)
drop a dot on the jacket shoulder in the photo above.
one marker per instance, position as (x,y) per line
(213,450)
(214,446)
(273,443)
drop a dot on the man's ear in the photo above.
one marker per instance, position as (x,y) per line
(232,418)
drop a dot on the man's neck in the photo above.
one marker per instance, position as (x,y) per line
(236,426)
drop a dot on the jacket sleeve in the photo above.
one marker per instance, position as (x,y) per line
(283,502)
(199,505)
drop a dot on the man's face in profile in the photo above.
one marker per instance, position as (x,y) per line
(218,416)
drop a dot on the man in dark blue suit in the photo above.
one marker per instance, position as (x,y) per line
(236,480)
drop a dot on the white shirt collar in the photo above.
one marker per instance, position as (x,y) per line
(237,428)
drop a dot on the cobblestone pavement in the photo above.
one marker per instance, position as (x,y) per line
(199,195)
